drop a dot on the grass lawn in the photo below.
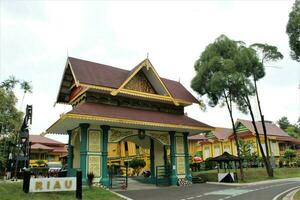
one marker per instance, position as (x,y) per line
(253,174)
(297,195)
(9,191)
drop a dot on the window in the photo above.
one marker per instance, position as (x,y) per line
(217,151)
(206,152)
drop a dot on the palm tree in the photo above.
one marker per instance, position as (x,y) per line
(10,83)
(27,88)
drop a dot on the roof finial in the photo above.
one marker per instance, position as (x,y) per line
(147,55)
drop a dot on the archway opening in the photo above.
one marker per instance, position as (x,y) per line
(130,152)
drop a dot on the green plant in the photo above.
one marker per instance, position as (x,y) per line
(289,155)
(199,154)
(40,163)
(137,165)
(91,177)
(208,164)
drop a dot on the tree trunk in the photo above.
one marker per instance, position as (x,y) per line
(263,126)
(266,161)
(235,138)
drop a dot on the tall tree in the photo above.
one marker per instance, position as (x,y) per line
(223,72)
(267,53)
(10,117)
(217,78)
(283,123)
(293,31)
(27,88)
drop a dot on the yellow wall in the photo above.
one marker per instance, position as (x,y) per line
(117,153)
(210,149)
(194,147)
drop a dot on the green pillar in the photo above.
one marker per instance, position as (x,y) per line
(70,154)
(173,158)
(186,154)
(152,161)
(104,178)
(83,150)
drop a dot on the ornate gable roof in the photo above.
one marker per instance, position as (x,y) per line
(272,129)
(89,75)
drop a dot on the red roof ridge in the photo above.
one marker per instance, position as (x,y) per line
(125,70)
(43,140)
(103,65)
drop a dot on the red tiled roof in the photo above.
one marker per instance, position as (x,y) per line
(40,146)
(288,139)
(197,137)
(107,76)
(222,133)
(135,114)
(272,129)
(44,140)
(60,149)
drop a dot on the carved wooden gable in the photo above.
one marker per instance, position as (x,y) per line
(140,83)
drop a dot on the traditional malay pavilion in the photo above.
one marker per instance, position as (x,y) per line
(112,104)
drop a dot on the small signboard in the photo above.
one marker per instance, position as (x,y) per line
(52,184)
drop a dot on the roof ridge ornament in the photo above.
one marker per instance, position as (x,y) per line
(146,63)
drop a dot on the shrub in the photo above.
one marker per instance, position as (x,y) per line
(90,177)
(137,165)
(40,163)
(208,164)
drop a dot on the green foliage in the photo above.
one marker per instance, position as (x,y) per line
(267,52)
(199,154)
(40,162)
(14,190)
(289,154)
(292,129)
(10,117)
(220,72)
(293,31)
(208,164)
(283,122)
(137,164)
(250,158)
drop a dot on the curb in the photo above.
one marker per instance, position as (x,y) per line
(255,183)
(120,195)
(290,195)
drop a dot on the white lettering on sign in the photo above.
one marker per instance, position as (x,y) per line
(52,184)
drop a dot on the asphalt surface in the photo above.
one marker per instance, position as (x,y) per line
(265,191)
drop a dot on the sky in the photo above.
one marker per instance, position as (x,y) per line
(37,36)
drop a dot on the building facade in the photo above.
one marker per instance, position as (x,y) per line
(112,105)
(221,140)
(45,149)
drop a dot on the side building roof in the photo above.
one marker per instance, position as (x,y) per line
(38,139)
(272,129)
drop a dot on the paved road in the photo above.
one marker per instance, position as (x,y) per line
(265,191)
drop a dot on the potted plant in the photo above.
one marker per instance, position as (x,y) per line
(90,178)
